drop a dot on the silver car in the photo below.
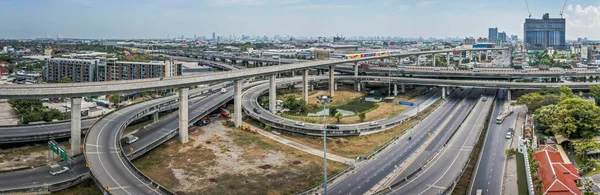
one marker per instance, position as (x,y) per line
(299,123)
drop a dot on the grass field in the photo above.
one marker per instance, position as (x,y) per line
(88,188)
(355,146)
(521,176)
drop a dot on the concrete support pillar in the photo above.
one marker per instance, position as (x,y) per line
(312,87)
(305,86)
(508,96)
(293,73)
(237,102)
(357,83)
(75,126)
(403,90)
(433,59)
(395,89)
(487,56)
(355,68)
(183,115)
(417,60)
(155,117)
(479,59)
(448,59)
(443,92)
(470,55)
(331,80)
(272,94)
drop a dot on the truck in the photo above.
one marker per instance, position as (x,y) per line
(225,113)
(506,112)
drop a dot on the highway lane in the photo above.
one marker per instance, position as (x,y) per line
(40,176)
(440,140)
(371,172)
(490,170)
(447,164)
(10,132)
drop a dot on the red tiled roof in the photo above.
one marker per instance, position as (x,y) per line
(558,178)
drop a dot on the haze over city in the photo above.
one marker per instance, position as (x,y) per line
(310,18)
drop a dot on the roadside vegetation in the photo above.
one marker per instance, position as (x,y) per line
(560,112)
(32,110)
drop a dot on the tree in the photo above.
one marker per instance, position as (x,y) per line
(66,80)
(577,116)
(566,92)
(332,111)
(583,146)
(510,152)
(595,93)
(339,116)
(116,99)
(531,100)
(362,116)
(544,117)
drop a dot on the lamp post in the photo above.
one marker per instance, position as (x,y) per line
(324,100)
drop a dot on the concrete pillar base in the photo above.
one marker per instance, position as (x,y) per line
(305,86)
(183,115)
(273,94)
(443,92)
(155,117)
(237,102)
(395,89)
(331,80)
(75,126)
(403,89)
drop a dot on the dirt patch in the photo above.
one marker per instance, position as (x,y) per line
(27,156)
(228,161)
(352,147)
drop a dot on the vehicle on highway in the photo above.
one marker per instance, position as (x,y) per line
(511,130)
(508,135)
(299,123)
(223,90)
(476,70)
(57,169)
(479,192)
(129,139)
(484,99)
(437,69)
(373,123)
(256,110)
(332,127)
(191,130)
(275,57)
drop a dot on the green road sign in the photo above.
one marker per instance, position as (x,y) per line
(59,150)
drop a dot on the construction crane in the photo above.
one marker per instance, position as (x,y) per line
(563,9)
(528,8)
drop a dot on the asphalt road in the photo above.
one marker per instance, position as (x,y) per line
(40,176)
(10,132)
(490,170)
(370,173)
(447,164)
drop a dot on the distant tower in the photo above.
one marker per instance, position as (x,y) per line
(194,36)
(213,37)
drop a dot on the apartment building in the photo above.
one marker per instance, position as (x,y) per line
(108,69)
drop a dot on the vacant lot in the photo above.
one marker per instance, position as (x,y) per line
(352,147)
(28,155)
(220,160)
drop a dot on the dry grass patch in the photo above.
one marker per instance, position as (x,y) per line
(352,147)
(221,160)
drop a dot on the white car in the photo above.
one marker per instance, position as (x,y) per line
(54,171)
(374,123)
(299,123)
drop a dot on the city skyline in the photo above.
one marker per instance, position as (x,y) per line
(160,19)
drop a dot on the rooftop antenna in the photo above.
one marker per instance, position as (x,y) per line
(563,9)
(528,8)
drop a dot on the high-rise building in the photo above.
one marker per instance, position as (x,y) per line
(493,35)
(514,38)
(213,37)
(502,37)
(543,33)
(469,41)
(109,69)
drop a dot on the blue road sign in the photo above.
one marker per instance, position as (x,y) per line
(406,103)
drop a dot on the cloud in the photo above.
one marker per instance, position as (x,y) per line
(403,7)
(289,2)
(322,6)
(570,8)
(239,2)
(423,3)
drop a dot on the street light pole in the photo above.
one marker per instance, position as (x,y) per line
(324,100)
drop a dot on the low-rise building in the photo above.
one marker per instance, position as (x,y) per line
(556,172)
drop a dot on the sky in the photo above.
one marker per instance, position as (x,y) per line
(106,19)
